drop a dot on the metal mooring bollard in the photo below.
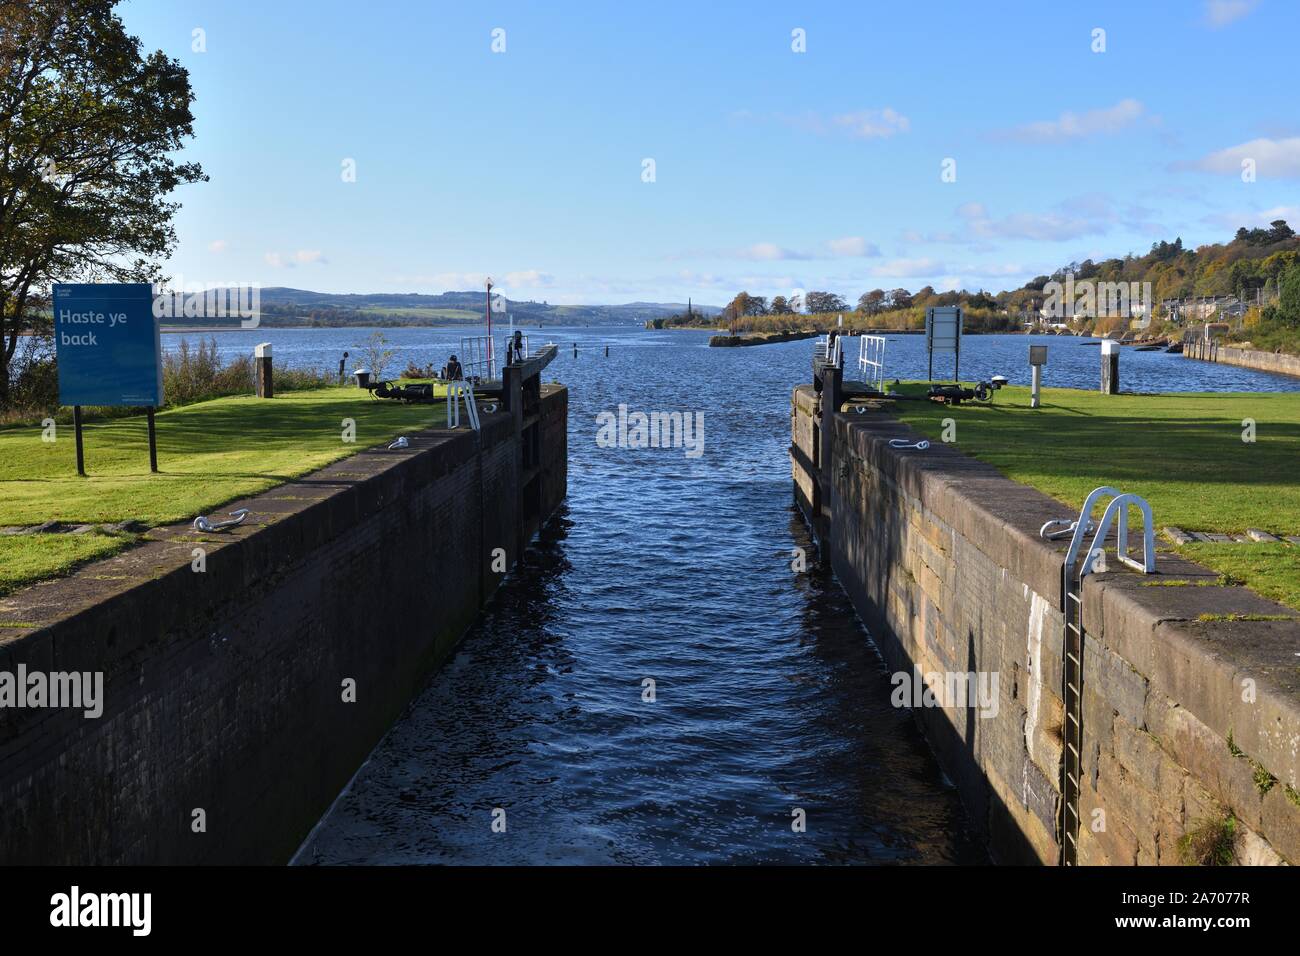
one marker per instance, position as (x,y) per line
(1109,367)
(265,387)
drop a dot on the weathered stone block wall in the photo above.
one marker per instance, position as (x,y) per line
(1254,358)
(1186,721)
(225,689)
(555,446)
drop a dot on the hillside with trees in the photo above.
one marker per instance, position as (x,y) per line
(1259,267)
(301,308)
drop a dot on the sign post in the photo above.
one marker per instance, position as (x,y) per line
(943,334)
(109,350)
(1037,359)
(81,453)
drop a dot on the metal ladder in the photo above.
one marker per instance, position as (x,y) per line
(1072,610)
(458,392)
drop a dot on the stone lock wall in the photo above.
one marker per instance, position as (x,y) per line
(1278,362)
(225,690)
(1187,722)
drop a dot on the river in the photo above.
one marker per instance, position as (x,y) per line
(770,704)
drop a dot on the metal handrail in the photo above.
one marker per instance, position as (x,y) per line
(1081,526)
(1121,504)
(455,392)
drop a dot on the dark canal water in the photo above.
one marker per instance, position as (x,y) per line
(769,696)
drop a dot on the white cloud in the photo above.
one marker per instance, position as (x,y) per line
(1073,220)
(907,268)
(704,279)
(847,247)
(530,278)
(989,270)
(1219,13)
(446,281)
(470,281)
(299,258)
(852,247)
(768,252)
(1071,126)
(218,246)
(872,124)
(1273,157)
(860,124)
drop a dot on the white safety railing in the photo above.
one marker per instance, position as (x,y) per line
(481,357)
(456,393)
(871,360)
(478,359)
(826,353)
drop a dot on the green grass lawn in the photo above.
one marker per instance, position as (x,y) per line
(209,453)
(1183,452)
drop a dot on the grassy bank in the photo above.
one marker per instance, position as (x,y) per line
(758,338)
(1184,453)
(209,453)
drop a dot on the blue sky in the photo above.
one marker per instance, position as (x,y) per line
(773,169)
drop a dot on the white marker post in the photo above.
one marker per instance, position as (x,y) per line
(1109,367)
(262,357)
(1037,359)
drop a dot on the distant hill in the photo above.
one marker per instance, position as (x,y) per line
(300,307)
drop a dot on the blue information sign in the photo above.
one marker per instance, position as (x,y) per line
(108,344)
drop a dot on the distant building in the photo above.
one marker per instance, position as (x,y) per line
(1202,308)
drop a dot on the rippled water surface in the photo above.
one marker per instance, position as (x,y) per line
(769,694)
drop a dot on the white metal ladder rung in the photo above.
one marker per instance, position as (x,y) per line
(1074,634)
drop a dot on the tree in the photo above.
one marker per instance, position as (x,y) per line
(1288,300)
(871,302)
(88,127)
(377,355)
(900,298)
(1265,237)
(780,306)
(742,304)
(819,302)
